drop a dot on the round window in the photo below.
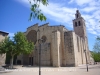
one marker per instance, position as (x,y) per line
(32,36)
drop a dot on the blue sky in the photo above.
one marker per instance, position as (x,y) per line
(14,15)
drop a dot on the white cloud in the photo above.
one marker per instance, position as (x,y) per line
(81,2)
(71,1)
(65,14)
(59,13)
(11,34)
(89,9)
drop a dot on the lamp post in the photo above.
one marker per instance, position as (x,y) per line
(86,60)
(39,41)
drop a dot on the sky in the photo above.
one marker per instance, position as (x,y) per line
(14,15)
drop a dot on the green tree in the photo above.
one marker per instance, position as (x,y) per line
(97,45)
(96,56)
(16,46)
(96,50)
(35,9)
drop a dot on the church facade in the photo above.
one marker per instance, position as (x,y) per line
(59,46)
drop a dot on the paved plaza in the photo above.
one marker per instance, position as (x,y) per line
(81,70)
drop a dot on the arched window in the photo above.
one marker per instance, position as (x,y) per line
(79,23)
(75,24)
(32,36)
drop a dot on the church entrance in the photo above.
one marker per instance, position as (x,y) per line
(31,61)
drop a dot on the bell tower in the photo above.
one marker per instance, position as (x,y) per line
(79,25)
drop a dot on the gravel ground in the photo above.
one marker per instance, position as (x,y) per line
(81,70)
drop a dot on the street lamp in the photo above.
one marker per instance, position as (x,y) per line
(39,41)
(86,60)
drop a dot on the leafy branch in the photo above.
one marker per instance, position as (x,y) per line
(36,11)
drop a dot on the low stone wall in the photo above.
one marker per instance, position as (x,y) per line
(2,59)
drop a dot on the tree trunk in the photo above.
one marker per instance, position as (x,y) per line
(11,62)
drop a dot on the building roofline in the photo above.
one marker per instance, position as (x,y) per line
(4,32)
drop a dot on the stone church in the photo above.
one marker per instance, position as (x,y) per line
(59,46)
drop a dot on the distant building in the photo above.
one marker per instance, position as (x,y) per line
(60,47)
(3,56)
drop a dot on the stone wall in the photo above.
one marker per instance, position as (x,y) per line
(79,50)
(3,56)
(74,49)
(81,47)
(69,49)
(56,48)
(45,54)
(1,37)
(2,59)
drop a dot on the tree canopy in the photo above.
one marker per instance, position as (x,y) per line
(36,11)
(96,50)
(96,56)
(18,45)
